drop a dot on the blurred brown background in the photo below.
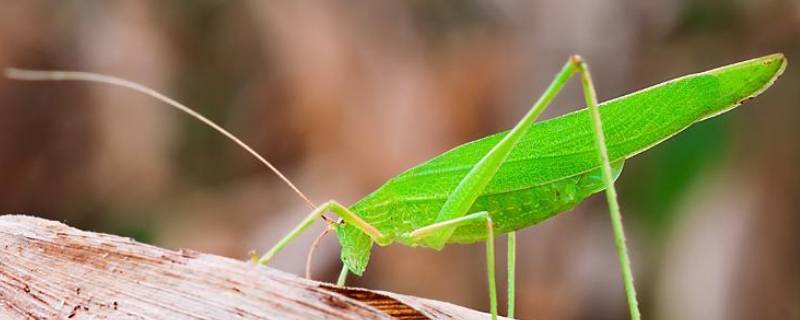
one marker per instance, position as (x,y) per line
(342,95)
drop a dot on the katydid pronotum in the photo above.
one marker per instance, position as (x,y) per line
(512,179)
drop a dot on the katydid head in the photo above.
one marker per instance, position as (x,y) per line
(356,247)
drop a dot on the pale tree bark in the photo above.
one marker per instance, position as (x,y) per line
(49,270)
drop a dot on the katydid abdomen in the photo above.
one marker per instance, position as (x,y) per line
(511,209)
(555,165)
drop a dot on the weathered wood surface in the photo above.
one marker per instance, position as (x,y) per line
(49,270)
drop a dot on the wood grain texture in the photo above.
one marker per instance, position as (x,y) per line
(49,270)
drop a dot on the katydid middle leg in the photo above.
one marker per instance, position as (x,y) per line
(483,216)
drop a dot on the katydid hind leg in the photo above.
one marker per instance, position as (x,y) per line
(611,192)
(422,233)
(472,185)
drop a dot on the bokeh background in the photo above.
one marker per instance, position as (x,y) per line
(342,95)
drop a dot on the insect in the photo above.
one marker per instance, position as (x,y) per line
(517,178)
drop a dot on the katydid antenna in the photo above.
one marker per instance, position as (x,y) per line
(40,75)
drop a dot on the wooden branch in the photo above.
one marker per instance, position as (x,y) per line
(49,270)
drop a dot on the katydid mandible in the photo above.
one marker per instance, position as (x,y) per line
(517,178)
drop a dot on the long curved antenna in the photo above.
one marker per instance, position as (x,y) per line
(39,75)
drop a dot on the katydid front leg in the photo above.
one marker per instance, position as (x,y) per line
(340,210)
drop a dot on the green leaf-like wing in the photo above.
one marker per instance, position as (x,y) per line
(563,146)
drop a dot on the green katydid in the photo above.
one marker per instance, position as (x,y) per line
(513,179)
